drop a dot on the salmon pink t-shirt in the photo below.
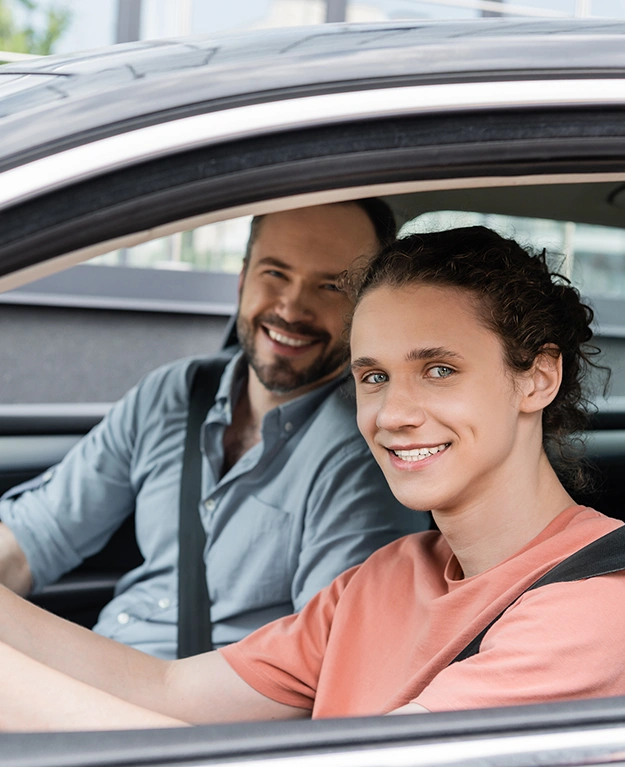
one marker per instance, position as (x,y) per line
(383,633)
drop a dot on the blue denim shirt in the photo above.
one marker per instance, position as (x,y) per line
(296,510)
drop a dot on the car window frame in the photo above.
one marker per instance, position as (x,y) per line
(170,193)
(289,182)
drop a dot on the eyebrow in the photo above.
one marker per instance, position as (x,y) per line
(272,261)
(429,353)
(363,362)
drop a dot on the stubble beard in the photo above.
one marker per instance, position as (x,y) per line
(280,376)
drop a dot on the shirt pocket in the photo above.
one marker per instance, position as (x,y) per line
(251,564)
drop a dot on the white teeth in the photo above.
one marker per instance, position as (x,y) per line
(420,453)
(286,340)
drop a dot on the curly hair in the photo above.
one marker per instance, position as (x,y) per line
(532,310)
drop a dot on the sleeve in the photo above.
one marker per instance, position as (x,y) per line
(559,642)
(85,498)
(350,513)
(283,659)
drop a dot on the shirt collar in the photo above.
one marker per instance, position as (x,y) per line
(287,417)
(233,377)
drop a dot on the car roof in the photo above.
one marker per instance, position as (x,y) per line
(47,99)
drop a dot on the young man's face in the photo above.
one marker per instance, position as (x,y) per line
(291,312)
(436,403)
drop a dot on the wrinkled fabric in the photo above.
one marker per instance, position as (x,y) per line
(297,509)
(384,633)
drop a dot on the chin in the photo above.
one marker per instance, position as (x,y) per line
(418,498)
(414,501)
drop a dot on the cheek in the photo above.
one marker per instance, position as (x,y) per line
(254,298)
(366,418)
(491,415)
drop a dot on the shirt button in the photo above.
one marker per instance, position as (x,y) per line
(123,618)
(288,426)
(47,476)
(210,504)
(164,603)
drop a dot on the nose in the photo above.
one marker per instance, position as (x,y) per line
(401,408)
(294,304)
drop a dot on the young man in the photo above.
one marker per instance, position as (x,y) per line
(291,496)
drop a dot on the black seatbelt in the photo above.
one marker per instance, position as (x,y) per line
(194,621)
(601,557)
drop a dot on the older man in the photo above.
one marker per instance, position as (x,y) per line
(290,496)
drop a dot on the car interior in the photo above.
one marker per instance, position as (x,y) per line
(581,224)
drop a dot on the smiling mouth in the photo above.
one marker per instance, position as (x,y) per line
(288,341)
(420,453)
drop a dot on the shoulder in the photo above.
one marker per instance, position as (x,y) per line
(571,531)
(335,417)
(172,379)
(583,610)
(598,592)
(415,553)
(592,543)
(163,390)
(584,521)
(578,528)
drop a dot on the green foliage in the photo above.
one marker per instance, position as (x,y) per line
(20,38)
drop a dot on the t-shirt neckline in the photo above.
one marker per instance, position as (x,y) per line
(453,571)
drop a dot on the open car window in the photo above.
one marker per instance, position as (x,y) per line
(591,256)
(155,245)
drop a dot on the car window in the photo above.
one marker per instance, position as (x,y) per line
(592,257)
(216,247)
(94,330)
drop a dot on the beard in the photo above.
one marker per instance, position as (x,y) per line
(280,376)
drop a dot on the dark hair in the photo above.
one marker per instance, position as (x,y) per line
(519,299)
(379,213)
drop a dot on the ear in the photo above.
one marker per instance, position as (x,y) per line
(542,382)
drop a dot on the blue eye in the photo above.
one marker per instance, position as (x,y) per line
(375,378)
(441,371)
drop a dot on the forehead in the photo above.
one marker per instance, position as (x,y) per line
(324,238)
(396,321)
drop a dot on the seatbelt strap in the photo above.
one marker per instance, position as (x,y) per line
(601,557)
(194,621)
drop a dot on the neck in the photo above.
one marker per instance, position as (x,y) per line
(261,400)
(509,514)
(252,405)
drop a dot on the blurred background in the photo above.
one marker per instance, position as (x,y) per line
(43,26)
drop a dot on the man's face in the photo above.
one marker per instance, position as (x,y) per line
(291,312)
(437,405)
